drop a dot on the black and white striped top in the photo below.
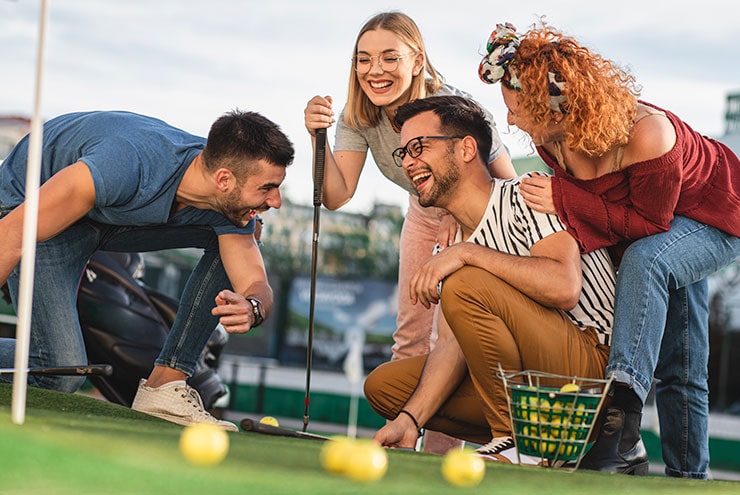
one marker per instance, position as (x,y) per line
(510,226)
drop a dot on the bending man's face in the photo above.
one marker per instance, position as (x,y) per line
(258,194)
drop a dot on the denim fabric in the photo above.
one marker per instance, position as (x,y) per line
(661,330)
(56,337)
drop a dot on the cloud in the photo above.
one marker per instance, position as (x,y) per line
(188,61)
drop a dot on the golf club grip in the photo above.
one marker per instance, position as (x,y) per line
(248,424)
(318,166)
(92,369)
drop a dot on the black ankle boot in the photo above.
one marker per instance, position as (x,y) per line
(619,447)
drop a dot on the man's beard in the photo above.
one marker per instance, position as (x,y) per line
(442,185)
(234,211)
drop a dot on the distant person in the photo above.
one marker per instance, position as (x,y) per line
(390,67)
(514,289)
(628,173)
(119,181)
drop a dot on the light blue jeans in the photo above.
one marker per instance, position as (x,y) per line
(56,337)
(661,329)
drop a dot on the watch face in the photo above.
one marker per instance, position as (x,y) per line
(256,311)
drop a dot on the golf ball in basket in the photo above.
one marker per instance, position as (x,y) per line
(269,420)
(570,388)
(204,444)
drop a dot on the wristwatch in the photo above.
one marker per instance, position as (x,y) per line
(256,311)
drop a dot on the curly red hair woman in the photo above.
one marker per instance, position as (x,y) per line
(634,178)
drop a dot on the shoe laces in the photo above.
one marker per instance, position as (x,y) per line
(496,446)
(192,396)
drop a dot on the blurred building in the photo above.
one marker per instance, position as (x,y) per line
(732,122)
(351,244)
(732,115)
(724,304)
(12,129)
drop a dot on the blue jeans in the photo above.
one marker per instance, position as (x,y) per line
(56,336)
(661,329)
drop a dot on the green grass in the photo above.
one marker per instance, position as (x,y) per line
(76,445)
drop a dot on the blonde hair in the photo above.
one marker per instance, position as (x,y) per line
(360,111)
(600,97)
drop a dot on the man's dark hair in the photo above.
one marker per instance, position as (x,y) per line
(237,139)
(457,116)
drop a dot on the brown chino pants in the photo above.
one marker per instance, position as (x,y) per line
(493,323)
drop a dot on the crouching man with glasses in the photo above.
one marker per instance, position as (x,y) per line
(514,290)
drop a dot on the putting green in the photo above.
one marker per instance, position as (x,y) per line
(75,445)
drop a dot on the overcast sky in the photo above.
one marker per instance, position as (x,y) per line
(188,62)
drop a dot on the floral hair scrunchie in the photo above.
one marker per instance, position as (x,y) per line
(496,66)
(501,47)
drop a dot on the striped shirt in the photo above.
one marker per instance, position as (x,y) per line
(510,226)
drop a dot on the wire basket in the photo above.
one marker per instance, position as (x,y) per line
(552,416)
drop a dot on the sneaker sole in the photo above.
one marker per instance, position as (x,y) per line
(184,422)
(496,458)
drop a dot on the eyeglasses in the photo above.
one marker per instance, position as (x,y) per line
(387,62)
(414,148)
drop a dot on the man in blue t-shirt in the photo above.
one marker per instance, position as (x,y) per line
(119,181)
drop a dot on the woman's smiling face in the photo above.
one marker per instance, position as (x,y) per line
(386,88)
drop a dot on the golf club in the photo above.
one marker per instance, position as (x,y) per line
(248,424)
(90,369)
(318,186)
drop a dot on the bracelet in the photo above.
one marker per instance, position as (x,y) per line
(416,423)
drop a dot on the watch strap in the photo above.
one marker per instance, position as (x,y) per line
(256,311)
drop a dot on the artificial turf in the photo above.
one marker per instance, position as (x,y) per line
(71,444)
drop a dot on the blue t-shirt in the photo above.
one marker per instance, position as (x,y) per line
(136,162)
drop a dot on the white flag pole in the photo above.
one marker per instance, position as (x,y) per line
(353,370)
(30,227)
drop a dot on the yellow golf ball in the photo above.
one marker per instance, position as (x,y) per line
(570,388)
(367,461)
(204,444)
(269,420)
(335,454)
(463,468)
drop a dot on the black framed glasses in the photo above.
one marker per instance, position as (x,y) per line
(386,61)
(415,147)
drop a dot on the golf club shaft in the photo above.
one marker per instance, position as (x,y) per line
(318,186)
(91,369)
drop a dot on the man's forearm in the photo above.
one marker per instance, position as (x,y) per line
(10,245)
(550,276)
(443,371)
(8,261)
(263,292)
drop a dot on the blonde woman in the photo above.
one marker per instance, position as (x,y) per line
(390,67)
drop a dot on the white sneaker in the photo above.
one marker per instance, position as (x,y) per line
(503,449)
(176,402)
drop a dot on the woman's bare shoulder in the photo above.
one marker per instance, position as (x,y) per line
(653,136)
